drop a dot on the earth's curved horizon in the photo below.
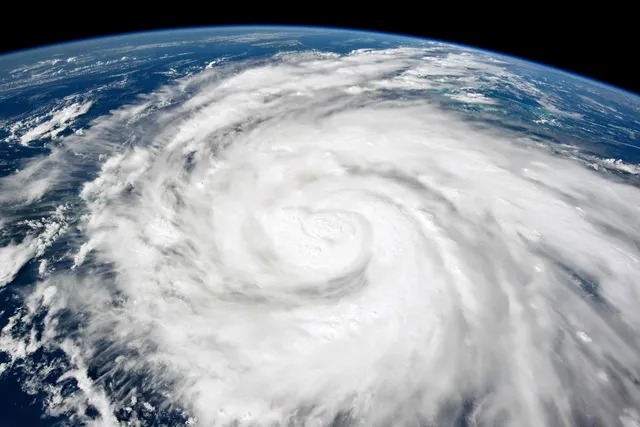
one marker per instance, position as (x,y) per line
(275,225)
(261,27)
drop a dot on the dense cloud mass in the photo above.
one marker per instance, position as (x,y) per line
(306,241)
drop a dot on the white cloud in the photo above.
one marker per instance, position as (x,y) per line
(620,165)
(12,258)
(472,98)
(58,122)
(15,255)
(289,244)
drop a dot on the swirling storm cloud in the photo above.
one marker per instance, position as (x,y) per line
(309,240)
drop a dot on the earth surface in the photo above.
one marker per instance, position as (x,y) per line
(303,226)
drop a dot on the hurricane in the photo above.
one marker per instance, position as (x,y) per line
(308,240)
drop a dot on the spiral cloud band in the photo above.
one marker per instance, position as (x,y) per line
(311,241)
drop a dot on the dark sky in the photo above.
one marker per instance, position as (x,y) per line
(600,43)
